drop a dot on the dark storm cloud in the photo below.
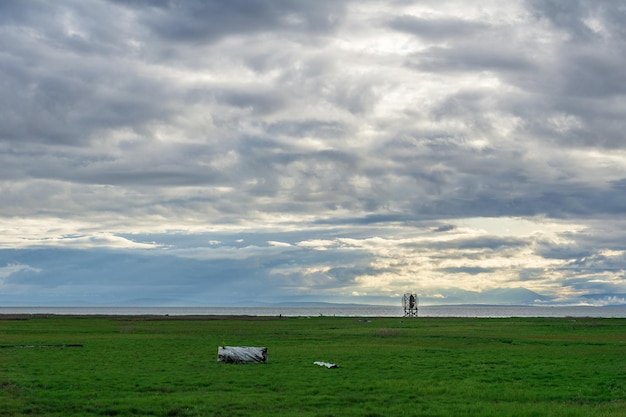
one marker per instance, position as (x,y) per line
(468,270)
(598,262)
(445,228)
(369,220)
(488,243)
(585,79)
(581,79)
(565,252)
(571,16)
(304,128)
(58,94)
(198,20)
(436,29)
(464,58)
(57,97)
(260,101)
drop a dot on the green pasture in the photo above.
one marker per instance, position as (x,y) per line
(167,366)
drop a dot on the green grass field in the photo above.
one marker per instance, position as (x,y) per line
(141,366)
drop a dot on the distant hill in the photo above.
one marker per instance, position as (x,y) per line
(498,296)
(318,304)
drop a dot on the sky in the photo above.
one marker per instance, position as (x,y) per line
(252,152)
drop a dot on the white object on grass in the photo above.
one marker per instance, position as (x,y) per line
(326,364)
(241,354)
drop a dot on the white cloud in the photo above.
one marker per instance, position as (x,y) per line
(280,244)
(14,268)
(52,232)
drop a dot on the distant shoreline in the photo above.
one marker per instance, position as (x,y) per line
(137,317)
(271,313)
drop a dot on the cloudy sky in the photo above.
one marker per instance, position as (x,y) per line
(242,152)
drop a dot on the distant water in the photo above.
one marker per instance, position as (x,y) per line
(351,311)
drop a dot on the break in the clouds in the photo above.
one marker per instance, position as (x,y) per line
(241,152)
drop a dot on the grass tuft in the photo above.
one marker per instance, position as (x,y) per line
(388,332)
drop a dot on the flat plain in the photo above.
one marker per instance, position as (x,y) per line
(167,366)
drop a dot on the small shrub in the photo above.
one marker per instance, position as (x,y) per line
(128,329)
(388,332)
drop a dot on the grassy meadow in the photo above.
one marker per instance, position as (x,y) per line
(167,366)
